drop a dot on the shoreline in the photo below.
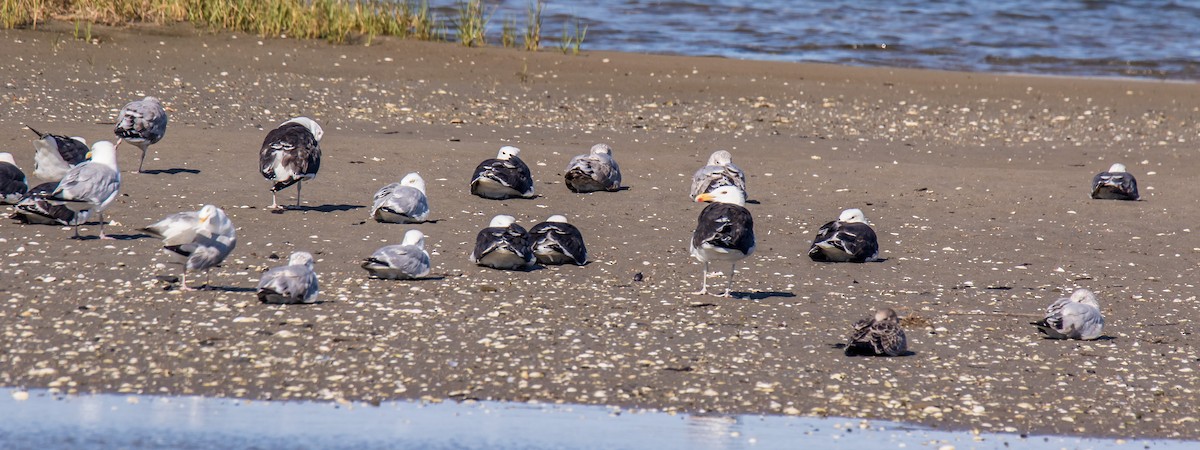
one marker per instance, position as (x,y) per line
(917,150)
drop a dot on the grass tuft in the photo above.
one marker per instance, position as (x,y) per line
(533,25)
(472,23)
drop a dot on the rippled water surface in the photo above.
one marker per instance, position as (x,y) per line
(1138,38)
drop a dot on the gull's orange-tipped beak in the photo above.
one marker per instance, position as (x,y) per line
(706,197)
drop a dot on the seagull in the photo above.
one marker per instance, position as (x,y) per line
(13,185)
(92,185)
(1074,317)
(848,239)
(291,154)
(291,284)
(504,176)
(503,245)
(720,171)
(54,155)
(202,239)
(142,123)
(402,202)
(34,208)
(557,242)
(596,171)
(406,261)
(878,336)
(1115,184)
(724,232)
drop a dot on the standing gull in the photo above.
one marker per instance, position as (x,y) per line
(724,232)
(291,284)
(13,185)
(201,239)
(55,155)
(1074,317)
(848,239)
(291,154)
(504,176)
(406,261)
(503,245)
(720,171)
(142,123)
(1115,184)
(91,186)
(595,171)
(557,242)
(402,202)
(878,336)
(34,208)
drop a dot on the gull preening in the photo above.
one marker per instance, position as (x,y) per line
(720,171)
(13,184)
(402,202)
(595,171)
(406,261)
(724,232)
(291,154)
(880,335)
(294,283)
(142,123)
(503,245)
(199,240)
(557,242)
(1074,317)
(848,239)
(504,176)
(1115,184)
(33,208)
(91,186)
(54,155)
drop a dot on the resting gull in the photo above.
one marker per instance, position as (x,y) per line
(13,185)
(724,232)
(504,176)
(92,185)
(595,171)
(557,242)
(35,209)
(142,123)
(878,336)
(406,261)
(200,239)
(720,171)
(54,155)
(402,202)
(1074,317)
(291,154)
(1115,184)
(848,239)
(291,284)
(503,245)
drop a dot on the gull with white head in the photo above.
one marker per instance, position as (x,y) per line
(724,232)
(199,240)
(595,171)
(720,171)
(295,283)
(556,241)
(91,186)
(848,239)
(1115,184)
(289,155)
(503,245)
(13,184)
(402,202)
(502,177)
(1074,317)
(406,261)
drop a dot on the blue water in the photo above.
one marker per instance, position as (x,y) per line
(1123,38)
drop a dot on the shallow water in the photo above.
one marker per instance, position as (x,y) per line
(47,421)
(1131,38)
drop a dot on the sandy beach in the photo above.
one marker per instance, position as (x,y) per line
(976,183)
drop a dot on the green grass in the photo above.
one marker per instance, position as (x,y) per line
(572,41)
(533,25)
(472,23)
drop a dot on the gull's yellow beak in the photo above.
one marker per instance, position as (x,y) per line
(706,197)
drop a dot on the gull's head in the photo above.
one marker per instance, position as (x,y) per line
(153,100)
(720,158)
(301,259)
(103,151)
(885,314)
(507,152)
(502,221)
(557,218)
(8,158)
(414,237)
(601,149)
(852,215)
(207,212)
(724,194)
(1086,297)
(1117,168)
(413,180)
(312,126)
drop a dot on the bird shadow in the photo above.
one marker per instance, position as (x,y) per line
(115,237)
(322,208)
(214,288)
(855,353)
(175,171)
(763,295)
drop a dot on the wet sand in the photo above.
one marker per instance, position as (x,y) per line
(976,183)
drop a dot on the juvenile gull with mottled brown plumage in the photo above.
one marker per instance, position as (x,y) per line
(880,335)
(291,154)
(142,123)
